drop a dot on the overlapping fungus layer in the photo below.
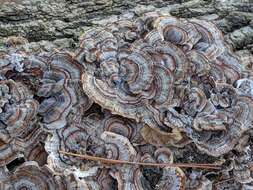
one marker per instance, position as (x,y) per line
(158,89)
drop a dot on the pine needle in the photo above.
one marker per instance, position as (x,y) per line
(222,181)
(111,161)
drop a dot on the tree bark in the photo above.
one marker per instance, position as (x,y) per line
(49,24)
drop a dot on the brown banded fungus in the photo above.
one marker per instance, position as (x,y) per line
(172,74)
(31,176)
(157,89)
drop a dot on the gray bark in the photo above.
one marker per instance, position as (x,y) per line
(49,24)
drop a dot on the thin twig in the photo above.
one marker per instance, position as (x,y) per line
(111,161)
(222,181)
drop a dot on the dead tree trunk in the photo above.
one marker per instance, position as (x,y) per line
(51,24)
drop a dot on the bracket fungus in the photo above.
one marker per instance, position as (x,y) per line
(118,112)
(176,74)
(30,176)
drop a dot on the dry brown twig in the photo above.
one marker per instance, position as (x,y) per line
(111,161)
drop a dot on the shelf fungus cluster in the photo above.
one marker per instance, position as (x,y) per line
(135,95)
